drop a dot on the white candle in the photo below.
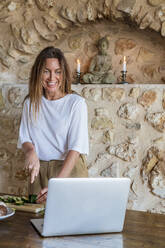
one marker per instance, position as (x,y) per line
(78,65)
(124,64)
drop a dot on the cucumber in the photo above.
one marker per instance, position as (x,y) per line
(25,199)
(19,203)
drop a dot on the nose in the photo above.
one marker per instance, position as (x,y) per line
(52,76)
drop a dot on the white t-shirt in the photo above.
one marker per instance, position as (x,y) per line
(60,126)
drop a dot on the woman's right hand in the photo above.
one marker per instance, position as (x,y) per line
(32,164)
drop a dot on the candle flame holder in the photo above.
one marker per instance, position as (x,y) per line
(123,77)
(77,77)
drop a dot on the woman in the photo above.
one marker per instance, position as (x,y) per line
(54,131)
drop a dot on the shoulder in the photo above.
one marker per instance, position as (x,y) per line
(75,101)
(26,102)
(76,97)
(26,99)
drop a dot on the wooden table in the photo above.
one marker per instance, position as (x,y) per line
(141,230)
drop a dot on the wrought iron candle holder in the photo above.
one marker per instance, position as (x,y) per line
(123,77)
(77,77)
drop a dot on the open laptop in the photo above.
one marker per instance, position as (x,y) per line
(84,206)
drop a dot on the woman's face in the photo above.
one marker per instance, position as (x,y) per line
(52,77)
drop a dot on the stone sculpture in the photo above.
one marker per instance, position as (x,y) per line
(100,69)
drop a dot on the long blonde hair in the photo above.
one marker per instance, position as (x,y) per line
(36,90)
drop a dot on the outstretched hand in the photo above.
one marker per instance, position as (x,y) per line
(32,164)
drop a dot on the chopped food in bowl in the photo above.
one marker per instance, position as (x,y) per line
(3,209)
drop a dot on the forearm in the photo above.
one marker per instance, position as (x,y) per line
(69,163)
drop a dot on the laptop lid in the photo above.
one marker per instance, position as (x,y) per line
(85,206)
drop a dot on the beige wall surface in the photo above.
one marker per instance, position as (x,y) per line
(126,122)
(126,133)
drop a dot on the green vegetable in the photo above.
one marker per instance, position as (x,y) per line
(25,199)
(19,203)
(18,200)
(32,198)
(10,199)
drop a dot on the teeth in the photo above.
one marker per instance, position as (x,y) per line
(51,83)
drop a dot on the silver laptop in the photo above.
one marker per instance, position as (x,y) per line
(84,206)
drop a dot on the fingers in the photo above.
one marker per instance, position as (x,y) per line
(42,195)
(29,166)
(42,199)
(33,169)
(34,174)
(42,192)
(32,178)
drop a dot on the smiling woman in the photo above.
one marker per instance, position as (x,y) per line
(54,131)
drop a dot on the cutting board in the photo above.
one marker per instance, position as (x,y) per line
(28,207)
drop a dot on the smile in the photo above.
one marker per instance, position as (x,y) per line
(51,83)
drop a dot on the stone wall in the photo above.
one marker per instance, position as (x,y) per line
(134,28)
(126,122)
(126,127)
(126,130)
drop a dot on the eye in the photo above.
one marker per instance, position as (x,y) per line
(45,71)
(58,72)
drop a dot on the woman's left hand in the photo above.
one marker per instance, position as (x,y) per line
(42,195)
